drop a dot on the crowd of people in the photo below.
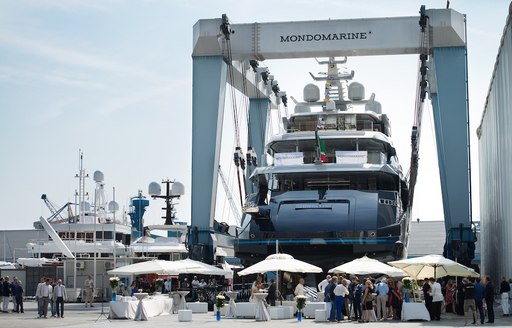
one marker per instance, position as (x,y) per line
(53,293)
(48,292)
(371,300)
(11,290)
(349,298)
(195,285)
(346,297)
(364,301)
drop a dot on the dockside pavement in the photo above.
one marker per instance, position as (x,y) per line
(77,316)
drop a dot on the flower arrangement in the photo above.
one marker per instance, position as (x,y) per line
(301,302)
(114,282)
(158,284)
(219,301)
(410,284)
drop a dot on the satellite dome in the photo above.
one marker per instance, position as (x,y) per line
(113,206)
(311,93)
(98,176)
(178,189)
(355,91)
(154,189)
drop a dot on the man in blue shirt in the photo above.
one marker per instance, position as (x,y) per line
(382,299)
(479,299)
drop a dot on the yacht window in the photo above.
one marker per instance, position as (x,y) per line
(334,181)
(377,150)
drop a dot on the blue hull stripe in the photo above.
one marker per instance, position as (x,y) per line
(317,241)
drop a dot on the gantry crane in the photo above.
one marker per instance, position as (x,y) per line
(217,50)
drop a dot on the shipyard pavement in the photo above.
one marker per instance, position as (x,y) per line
(77,316)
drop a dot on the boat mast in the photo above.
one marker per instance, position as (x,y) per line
(81,203)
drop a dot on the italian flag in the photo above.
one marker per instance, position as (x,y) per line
(321,148)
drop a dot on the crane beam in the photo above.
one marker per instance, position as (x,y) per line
(328,38)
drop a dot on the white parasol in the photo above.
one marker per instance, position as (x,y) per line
(435,266)
(366,266)
(280,262)
(162,267)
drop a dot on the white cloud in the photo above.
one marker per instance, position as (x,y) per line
(75,5)
(67,56)
(147,94)
(29,77)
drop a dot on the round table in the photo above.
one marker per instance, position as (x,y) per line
(231,312)
(183,303)
(176,299)
(141,296)
(261,310)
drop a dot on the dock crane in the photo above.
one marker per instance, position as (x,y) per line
(56,212)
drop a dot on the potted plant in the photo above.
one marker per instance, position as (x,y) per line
(114,282)
(301,304)
(158,285)
(410,285)
(219,302)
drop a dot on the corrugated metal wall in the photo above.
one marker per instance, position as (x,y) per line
(495,158)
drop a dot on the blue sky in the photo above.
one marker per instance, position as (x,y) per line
(113,78)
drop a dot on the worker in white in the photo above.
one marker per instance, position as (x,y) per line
(324,283)
(321,288)
(299,289)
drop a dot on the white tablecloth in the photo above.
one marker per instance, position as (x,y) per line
(414,311)
(123,310)
(261,310)
(231,311)
(183,302)
(140,310)
(176,302)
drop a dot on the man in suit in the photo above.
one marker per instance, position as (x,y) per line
(272,290)
(59,296)
(489,299)
(44,293)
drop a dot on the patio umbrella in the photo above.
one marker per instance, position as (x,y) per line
(280,262)
(196,267)
(162,267)
(366,266)
(436,266)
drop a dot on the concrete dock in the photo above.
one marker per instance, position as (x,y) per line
(76,315)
